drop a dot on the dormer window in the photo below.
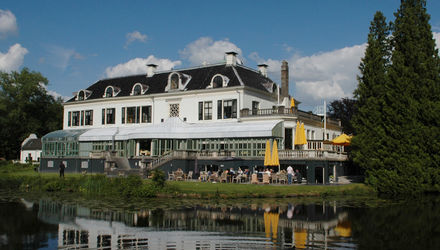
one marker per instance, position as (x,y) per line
(108,92)
(139,89)
(218,81)
(177,81)
(83,95)
(111,91)
(174,81)
(274,88)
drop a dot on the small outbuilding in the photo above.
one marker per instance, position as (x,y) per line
(31,149)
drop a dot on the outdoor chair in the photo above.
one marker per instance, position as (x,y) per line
(236,178)
(178,176)
(254,179)
(171,176)
(266,178)
(213,177)
(189,176)
(224,177)
(282,178)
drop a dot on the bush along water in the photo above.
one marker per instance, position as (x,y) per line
(131,186)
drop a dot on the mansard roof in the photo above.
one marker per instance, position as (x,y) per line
(200,79)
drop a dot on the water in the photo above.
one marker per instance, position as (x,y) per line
(27,223)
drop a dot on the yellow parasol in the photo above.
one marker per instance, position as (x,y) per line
(300,238)
(267,156)
(303,135)
(297,134)
(292,103)
(343,140)
(275,158)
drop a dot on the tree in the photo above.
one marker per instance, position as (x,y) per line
(25,107)
(368,142)
(397,123)
(343,110)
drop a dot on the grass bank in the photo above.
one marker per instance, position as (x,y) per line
(24,178)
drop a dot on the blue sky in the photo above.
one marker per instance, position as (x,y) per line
(76,43)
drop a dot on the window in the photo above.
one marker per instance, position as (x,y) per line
(217,82)
(230,109)
(69,119)
(137,89)
(131,115)
(81,96)
(200,111)
(75,118)
(82,118)
(146,114)
(208,110)
(174,110)
(108,116)
(109,92)
(205,110)
(219,109)
(88,117)
(255,107)
(274,88)
(313,135)
(174,81)
(123,115)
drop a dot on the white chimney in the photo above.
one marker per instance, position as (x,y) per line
(151,69)
(263,69)
(231,58)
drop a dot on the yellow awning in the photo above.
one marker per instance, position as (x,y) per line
(267,155)
(343,140)
(275,158)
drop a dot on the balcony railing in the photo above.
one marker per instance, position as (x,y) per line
(282,111)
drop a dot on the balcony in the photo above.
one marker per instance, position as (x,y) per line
(282,111)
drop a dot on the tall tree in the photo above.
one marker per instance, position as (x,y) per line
(397,124)
(25,107)
(368,147)
(413,101)
(343,110)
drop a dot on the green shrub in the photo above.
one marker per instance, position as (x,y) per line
(158,178)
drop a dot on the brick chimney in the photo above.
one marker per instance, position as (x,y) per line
(284,80)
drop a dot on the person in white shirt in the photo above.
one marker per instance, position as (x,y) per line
(289,174)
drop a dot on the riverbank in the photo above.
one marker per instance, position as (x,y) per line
(24,178)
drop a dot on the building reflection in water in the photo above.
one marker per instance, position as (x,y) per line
(199,227)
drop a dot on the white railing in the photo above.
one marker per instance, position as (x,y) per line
(310,154)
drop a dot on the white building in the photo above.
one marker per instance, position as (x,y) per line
(30,149)
(222,110)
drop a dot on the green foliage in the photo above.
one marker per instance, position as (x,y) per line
(158,178)
(343,110)
(25,108)
(397,125)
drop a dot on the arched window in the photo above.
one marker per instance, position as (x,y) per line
(137,89)
(217,82)
(274,88)
(109,91)
(81,95)
(174,81)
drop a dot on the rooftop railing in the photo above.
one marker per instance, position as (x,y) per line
(282,111)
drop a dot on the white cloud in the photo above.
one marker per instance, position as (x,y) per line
(8,23)
(135,36)
(53,93)
(12,59)
(60,57)
(206,50)
(322,76)
(139,66)
(437,39)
